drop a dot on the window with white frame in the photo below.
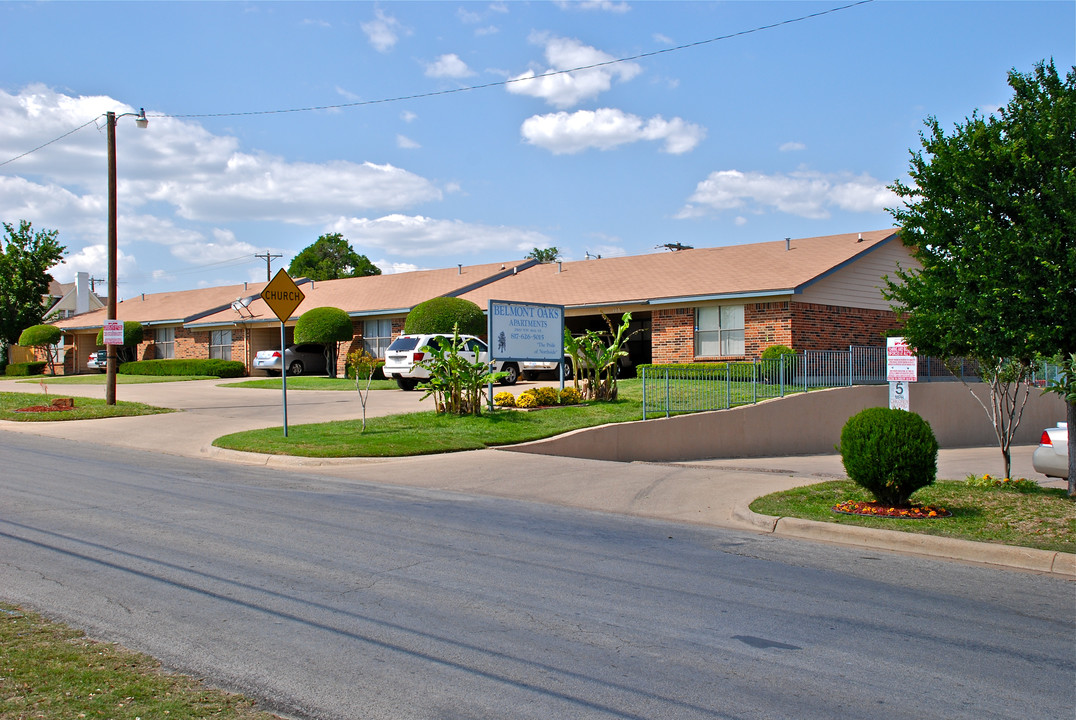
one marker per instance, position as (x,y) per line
(220,344)
(165,340)
(376,336)
(719,331)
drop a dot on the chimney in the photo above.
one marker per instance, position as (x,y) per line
(788,244)
(860,238)
(82,292)
(560,267)
(459,269)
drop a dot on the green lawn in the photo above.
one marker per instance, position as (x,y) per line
(1044,519)
(423,433)
(85,408)
(52,672)
(101,378)
(310,383)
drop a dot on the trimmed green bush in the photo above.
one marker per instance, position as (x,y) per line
(775,351)
(737,371)
(40,335)
(27,368)
(212,367)
(132,334)
(441,314)
(889,453)
(323,325)
(326,325)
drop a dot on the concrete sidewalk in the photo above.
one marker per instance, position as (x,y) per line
(709,492)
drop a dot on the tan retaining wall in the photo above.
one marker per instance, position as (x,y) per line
(804,424)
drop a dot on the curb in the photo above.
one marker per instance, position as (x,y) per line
(1019,558)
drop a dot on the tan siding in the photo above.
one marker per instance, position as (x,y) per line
(859,285)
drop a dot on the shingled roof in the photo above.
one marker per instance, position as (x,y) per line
(758,269)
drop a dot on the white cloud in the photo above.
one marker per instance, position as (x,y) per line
(602,5)
(607,128)
(418,236)
(388,267)
(792,147)
(804,193)
(449,66)
(568,89)
(407,116)
(405,143)
(383,31)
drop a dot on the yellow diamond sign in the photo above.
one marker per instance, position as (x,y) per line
(282,295)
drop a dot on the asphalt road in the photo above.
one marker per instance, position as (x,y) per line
(342,598)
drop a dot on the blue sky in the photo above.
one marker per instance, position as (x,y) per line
(795,130)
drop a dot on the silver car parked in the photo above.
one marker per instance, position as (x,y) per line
(1051,457)
(306,359)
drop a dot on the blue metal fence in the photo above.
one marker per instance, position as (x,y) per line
(684,389)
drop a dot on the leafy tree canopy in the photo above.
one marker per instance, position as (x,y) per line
(991,214)
(544,255)
(25,259)
(329,258)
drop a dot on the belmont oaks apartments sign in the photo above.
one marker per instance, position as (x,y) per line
(526,331)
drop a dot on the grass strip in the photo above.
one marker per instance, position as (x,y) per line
(423,433)
(311,383)
(50,671)
(101,378)
(1044,518)
(85,408)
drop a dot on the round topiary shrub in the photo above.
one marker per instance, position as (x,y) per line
(323,325)
(526,400)
(775,351)
(889,453)
(441,314)
(505,399)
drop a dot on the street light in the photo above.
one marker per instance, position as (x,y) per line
(110,120)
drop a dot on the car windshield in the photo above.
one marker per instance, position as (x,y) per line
(404,343)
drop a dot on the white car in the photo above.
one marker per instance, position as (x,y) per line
(403,356)
(1051,457)
(532,369)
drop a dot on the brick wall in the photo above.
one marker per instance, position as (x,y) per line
(826,327)
(765,324)
(672,335)
(801,326)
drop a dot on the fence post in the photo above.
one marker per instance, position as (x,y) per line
(666,392)
(754,380)
(644,393)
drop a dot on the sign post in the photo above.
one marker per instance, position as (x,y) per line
(283,296)
(901,368)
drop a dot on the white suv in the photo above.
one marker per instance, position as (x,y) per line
(403,356)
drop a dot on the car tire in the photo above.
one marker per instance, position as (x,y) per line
(512,375)
(530,375)
(568,370)
(406,384)
(296,368)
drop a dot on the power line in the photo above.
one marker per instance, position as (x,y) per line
(499,83)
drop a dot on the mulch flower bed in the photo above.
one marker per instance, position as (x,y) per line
(876,509)
(58,405)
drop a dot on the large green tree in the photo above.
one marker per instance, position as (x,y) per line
(329,258)
(991,215)
(25,259)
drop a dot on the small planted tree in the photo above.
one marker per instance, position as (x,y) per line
(890,453)
(326,325)
(44,337)
(455,381)
(445,315)
(362,364)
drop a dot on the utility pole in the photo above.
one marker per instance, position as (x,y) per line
(268,263)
